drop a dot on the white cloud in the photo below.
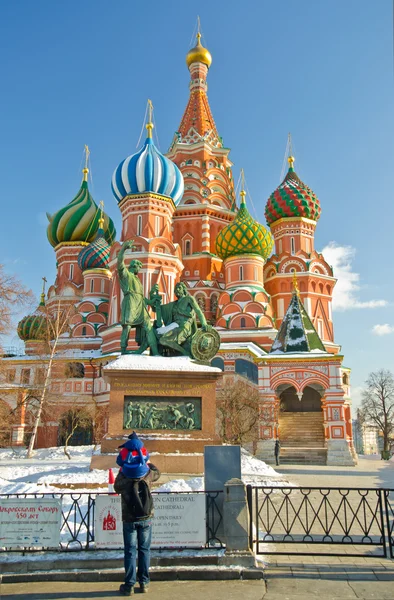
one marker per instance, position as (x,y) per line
(347,288)
(385,329)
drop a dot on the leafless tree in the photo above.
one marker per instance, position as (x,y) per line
(77,417)
(57,325)
(238,411)
(13,296)
(377,403)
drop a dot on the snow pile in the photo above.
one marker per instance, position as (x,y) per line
(56,452)
(181,485)
(50,469)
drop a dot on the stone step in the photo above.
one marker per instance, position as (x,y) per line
(303,455)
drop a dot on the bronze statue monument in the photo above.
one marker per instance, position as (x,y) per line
(175,331)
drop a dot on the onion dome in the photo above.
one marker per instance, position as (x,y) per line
(199,54)
(292,199)
(96,255)
(244,236)
(79,220)
(34,326)
(147,171)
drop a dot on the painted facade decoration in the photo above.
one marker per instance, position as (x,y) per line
(264,290)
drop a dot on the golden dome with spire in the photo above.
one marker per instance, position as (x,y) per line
(199,54)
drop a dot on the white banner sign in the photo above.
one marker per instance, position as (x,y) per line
(179,521)
(108,522)
(29,522)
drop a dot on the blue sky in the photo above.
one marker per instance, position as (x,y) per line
(76,73)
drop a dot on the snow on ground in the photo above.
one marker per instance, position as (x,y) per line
(49,467)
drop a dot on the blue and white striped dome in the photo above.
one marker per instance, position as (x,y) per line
(147,171)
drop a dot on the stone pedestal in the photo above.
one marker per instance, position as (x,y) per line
(339,454)
(265,451)
(182,394)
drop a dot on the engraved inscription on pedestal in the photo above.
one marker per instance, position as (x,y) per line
(150,412)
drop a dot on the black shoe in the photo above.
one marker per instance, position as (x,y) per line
(144,588)
(125,590)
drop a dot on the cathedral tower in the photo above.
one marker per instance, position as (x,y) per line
(148,186)
(208,201)
(70,230)
(292,212)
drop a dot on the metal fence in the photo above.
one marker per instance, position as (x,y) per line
(321,521)
(77,530)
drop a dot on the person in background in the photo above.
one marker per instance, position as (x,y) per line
(277,451)
(133,483)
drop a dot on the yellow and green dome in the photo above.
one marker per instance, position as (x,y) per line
(244,236)
(34,326)
(79,220)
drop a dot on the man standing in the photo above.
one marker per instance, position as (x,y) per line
(133,484)
(277,451)
(134,312)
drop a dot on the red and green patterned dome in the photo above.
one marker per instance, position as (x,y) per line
(244,236)
(292,199)
(34,326)
(96,255)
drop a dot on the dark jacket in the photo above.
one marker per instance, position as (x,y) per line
(137,503)
(277,448)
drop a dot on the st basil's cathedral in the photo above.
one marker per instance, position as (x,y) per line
(265,289)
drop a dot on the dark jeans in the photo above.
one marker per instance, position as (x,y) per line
(139,532)
(277,459)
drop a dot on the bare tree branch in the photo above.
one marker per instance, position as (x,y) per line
(377,403)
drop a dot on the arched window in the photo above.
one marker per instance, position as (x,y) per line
(345,379)
(92,285)
(214,303)
(218,362)
(75,370)
(247,369)
(243,322)
(292,245)
(241,273)
(71,272)
(188,247)
(83,330)
(321,287)
(139,225)
(157,225)
(320,328)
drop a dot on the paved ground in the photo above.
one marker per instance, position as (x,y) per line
(163,590)
(287,580)
(370,472)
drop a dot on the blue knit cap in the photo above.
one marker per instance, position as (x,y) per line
(134,465)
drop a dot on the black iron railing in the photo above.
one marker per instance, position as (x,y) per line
(77,530)
(287,520)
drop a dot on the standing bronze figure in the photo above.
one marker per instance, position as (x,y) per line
(133,311)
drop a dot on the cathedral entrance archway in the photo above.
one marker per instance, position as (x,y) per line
(301,430)
(309,400)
